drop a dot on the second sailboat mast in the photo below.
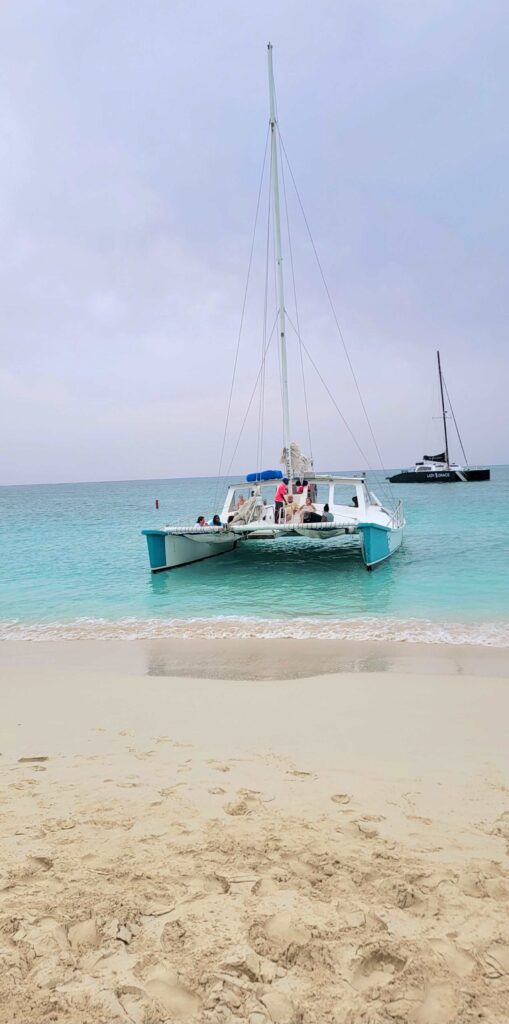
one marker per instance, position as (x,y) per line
(279,265)
(444,416)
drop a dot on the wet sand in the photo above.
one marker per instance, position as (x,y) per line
(254,831)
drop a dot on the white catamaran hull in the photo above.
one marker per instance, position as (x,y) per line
(170,550)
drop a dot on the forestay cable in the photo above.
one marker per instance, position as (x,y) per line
(242,317)
(241,431)
(333,400)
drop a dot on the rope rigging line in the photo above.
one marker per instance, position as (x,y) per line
(241,431)
(454,421)
(379,481)
(333,310)
(333,400)
(250,263)
(290,249)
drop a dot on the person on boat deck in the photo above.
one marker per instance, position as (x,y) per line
(327,515)
(241,501)
(355,501)
(300,486)
(280,497)
(215,521)
(308,513)
(291,507)
(201,521)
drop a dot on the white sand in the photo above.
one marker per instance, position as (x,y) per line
(325,849)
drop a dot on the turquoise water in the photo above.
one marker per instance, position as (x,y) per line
(73,563)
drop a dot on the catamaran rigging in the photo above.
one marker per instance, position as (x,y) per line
(378,530)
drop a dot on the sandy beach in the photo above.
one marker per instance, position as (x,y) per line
(254,831)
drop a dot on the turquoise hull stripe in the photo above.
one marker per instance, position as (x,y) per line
(156,548)
(375,543)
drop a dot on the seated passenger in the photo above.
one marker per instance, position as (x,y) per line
(327,515)
(308,513)
(215,521)
(241,501)
(201,521)
(291,507)
(355,501)
(302,486)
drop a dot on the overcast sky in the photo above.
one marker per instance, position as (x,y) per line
(131,145)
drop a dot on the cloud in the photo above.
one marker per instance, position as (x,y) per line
(130,154)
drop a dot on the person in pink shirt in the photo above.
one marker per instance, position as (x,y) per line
(279,497)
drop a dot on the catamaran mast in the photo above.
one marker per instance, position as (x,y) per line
(443,409)
(279,265)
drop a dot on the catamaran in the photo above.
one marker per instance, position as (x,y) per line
(250,511)
(438,469)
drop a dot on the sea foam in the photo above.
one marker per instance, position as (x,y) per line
(488,634)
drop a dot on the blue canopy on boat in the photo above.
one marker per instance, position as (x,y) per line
(266,474)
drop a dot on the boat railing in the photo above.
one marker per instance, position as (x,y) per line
(397,518)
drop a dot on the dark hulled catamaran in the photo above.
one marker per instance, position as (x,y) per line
(438,469)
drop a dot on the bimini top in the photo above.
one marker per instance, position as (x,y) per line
(266,474)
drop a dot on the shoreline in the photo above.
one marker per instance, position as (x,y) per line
(251,659)
(491,634)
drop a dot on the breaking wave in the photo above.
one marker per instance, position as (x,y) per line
(487,634)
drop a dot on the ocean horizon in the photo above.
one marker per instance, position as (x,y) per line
(74,566)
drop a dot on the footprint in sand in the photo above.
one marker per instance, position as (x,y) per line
(458,960)
(265,886)
(83,934)
(341,798)
(217,791)
(496,960)
(377,967)
(134,1001)
(216,883)
(248,800)
(164,986)
(282,930)
(437,1007)
(280,1007)
(366,829)
(238,808)
(501,825)
(37,864)
(219,767)
(32,760)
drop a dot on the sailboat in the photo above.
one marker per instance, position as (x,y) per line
(438,469)
(250,511)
